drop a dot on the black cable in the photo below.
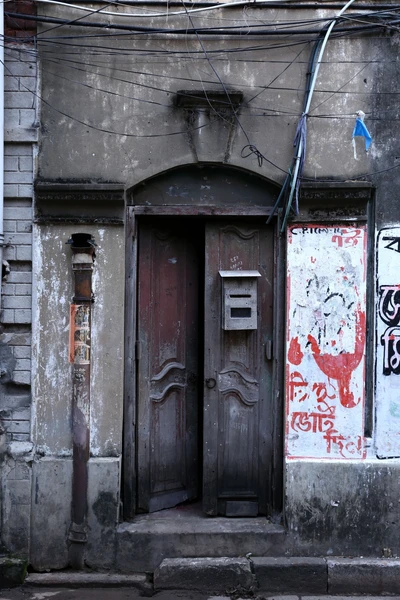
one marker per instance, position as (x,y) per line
(112,51)
(288,179)
(194,31)
(251,4)
(275,78)
(167,91)
(91,126)
(353,178)
(74,21)
(111,92)
(281,24)
(252,149)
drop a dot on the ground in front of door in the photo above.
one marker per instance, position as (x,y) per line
(30,593)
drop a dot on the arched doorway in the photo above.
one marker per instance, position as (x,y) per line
(201,414)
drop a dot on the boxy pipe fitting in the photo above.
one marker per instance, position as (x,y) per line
(82,246)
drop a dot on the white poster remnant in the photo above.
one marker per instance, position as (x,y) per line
(387,375)
(326,330)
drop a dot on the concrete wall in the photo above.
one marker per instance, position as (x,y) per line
(343,508)
(20,137)
(133,96)
(112,117)
(52,392)
(15,338)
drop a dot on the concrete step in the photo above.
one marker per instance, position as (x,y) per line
(280,575)
(84,579)
(213,575)
(242,575)
(144,543)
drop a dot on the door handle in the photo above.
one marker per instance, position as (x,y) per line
(211,383)
(268,349)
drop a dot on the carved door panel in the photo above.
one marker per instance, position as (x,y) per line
(167,424)
(237,454)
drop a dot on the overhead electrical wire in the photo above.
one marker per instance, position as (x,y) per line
(102,129)
(168,90)
(46,50)
(244,109)
(275,78)
(74,21)
(217,31)
(129,51)
(231,31)
(224,5)
(301,132)
(339,91)
(276,112)
(354,178)
(255,108)
(252,149)
(191,11)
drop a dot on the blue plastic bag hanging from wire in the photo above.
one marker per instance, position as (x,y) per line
(360,130)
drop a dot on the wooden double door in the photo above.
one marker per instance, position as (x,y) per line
(204,410)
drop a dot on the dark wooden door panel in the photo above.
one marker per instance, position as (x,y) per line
(168,368)
(237,409)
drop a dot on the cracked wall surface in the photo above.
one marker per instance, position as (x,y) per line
(16,300)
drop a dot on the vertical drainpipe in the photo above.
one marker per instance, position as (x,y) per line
(83,256)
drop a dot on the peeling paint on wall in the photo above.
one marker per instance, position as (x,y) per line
(388,344)
(79,338)
(325,366)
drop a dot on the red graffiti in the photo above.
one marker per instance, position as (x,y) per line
(341,366)
(297,387)
(295,355)
(348,237)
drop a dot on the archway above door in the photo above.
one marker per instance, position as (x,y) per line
(205,185)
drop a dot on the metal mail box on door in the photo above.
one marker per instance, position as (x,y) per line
(239,299)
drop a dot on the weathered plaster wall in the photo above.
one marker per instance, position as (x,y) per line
(332,505)
(52,392)
(51,512)
(149,136)
(53,290)
(150,129)
(347,508)
(20,134)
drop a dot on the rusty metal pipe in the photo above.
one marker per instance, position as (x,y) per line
(83,255)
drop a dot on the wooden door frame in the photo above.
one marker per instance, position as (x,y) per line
(130,399)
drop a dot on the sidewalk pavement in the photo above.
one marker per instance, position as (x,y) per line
(203,578)
(27,592)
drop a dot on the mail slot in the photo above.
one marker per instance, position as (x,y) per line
(239,299)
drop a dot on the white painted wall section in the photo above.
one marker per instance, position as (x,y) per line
(326,331)
(387,373)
